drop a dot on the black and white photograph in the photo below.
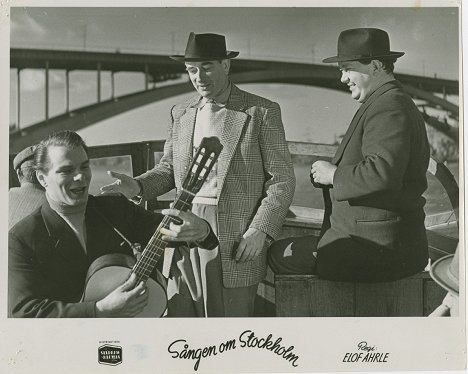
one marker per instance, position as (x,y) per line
(235,188)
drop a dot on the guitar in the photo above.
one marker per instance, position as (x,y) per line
(109,271)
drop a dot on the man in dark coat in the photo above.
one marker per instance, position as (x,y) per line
(51,250)
(373,228)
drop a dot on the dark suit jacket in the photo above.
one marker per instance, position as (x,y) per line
(374,229)
(47,266)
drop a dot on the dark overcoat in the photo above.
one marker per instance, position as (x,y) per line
(374,227)
(47,265)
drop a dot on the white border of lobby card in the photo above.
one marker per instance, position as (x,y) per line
(320,344)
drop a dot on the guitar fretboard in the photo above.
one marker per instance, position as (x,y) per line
(200,167)
(155,247)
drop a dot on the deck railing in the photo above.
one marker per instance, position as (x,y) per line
(305,216)
(306,213)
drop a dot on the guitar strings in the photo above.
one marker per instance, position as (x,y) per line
(155,247)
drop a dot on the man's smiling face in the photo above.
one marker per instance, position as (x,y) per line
(209,78)
(359,78)
(68,175)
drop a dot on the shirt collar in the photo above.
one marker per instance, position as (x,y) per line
(220,100)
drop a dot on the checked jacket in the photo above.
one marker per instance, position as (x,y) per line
(255,175)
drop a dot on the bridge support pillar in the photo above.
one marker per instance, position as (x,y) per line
(67,90)
(18,100)
(99,82)
(47,90)
(146,77)
(112,85)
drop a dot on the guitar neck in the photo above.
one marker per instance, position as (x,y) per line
(155,247)
(202,163)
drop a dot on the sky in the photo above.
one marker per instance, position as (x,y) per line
(428,36)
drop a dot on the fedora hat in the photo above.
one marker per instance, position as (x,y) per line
(363,44)
(205,47)
(445,272)
(24,158)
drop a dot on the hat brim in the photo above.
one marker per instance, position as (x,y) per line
(23,156)
(181,58)
(359,58)
(439,272)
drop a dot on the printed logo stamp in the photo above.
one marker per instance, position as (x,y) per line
(110,354)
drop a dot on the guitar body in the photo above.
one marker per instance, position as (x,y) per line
(110,271)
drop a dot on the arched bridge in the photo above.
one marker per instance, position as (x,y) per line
(159,68)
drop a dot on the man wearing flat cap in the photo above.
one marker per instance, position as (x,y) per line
(24,200)
(373,228)
(246,196)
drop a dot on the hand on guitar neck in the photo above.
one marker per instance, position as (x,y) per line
(127,300)
(188,227)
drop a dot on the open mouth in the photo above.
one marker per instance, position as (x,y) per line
(78,190)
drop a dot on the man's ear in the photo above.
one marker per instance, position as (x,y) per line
(226,64)
(41,178)
(19,174)
(377,66)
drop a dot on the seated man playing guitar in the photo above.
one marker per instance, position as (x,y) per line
(51,250)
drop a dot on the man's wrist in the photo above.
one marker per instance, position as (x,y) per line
(97,310)
(138,197)
(207,232)
(140,188)
(333,175)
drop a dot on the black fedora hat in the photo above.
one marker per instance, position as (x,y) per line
(205,47)
(363,44)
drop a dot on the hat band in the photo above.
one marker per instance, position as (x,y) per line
(370,55)
(190,55)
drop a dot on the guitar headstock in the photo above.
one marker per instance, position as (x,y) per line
(204,160)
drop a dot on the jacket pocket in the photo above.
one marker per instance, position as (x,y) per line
(382,234)
(377,221)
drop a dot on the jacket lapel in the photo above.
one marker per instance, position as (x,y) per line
(183,149)
(352,127)
(64,243)
(231,132)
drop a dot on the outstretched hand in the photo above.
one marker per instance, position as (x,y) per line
(123,184)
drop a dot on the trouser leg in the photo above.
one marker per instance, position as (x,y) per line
(184,290)
(195,286)
(293,255)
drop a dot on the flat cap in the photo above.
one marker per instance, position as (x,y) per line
(26,155)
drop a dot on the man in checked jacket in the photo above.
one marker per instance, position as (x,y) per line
(246,196)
